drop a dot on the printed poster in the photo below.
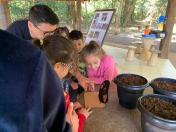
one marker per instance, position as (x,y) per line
(99,26)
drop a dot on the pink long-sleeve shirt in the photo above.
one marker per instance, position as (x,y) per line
(106,71)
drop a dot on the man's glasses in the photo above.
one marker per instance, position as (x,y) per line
(45,33)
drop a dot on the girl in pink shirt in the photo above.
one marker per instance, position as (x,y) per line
(100,67)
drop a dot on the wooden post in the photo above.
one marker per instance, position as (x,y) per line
(4,14)
(170,16)
(78,14)
(72,13)
(87,25)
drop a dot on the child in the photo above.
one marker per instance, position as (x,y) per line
(146,30)
(60,53)
(77,39)
(83,81)
(62,31)
(100,67)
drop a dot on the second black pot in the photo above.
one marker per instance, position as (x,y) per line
(159,90)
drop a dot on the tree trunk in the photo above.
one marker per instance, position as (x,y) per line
(72,12)
(69,21)
(4,15)
(170,15)
(78,15)
(74,15)
(127,11)
(122,5)
(86,23)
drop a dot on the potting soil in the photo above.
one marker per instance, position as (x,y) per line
(132,80)
(160,107)
(166,85)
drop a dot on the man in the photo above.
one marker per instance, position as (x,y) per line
(42,21)
(31,97)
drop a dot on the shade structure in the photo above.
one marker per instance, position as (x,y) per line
(4,1)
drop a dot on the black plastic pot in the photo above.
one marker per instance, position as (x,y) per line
(127,94)
(158,90)
(153,123)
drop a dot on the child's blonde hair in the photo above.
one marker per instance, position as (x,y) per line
(92,49)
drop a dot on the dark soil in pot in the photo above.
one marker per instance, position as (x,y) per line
(160,107)
(132,80)
(165,86)
(158,113)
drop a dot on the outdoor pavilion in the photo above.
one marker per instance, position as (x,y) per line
(76,12)
(114,118)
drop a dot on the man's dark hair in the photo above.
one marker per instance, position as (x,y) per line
(75,35)
(42,14)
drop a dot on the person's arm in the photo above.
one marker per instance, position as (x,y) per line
(82,80)
(82,120)
(83,114)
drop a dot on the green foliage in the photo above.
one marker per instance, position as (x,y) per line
(144,7)
(19,9)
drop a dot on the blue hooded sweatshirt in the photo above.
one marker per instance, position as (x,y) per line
(31,97)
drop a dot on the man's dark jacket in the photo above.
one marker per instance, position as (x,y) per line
(31,97)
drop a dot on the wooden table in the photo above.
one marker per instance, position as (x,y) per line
(163,67)
(114,118)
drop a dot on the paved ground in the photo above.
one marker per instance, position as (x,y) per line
(124,39)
